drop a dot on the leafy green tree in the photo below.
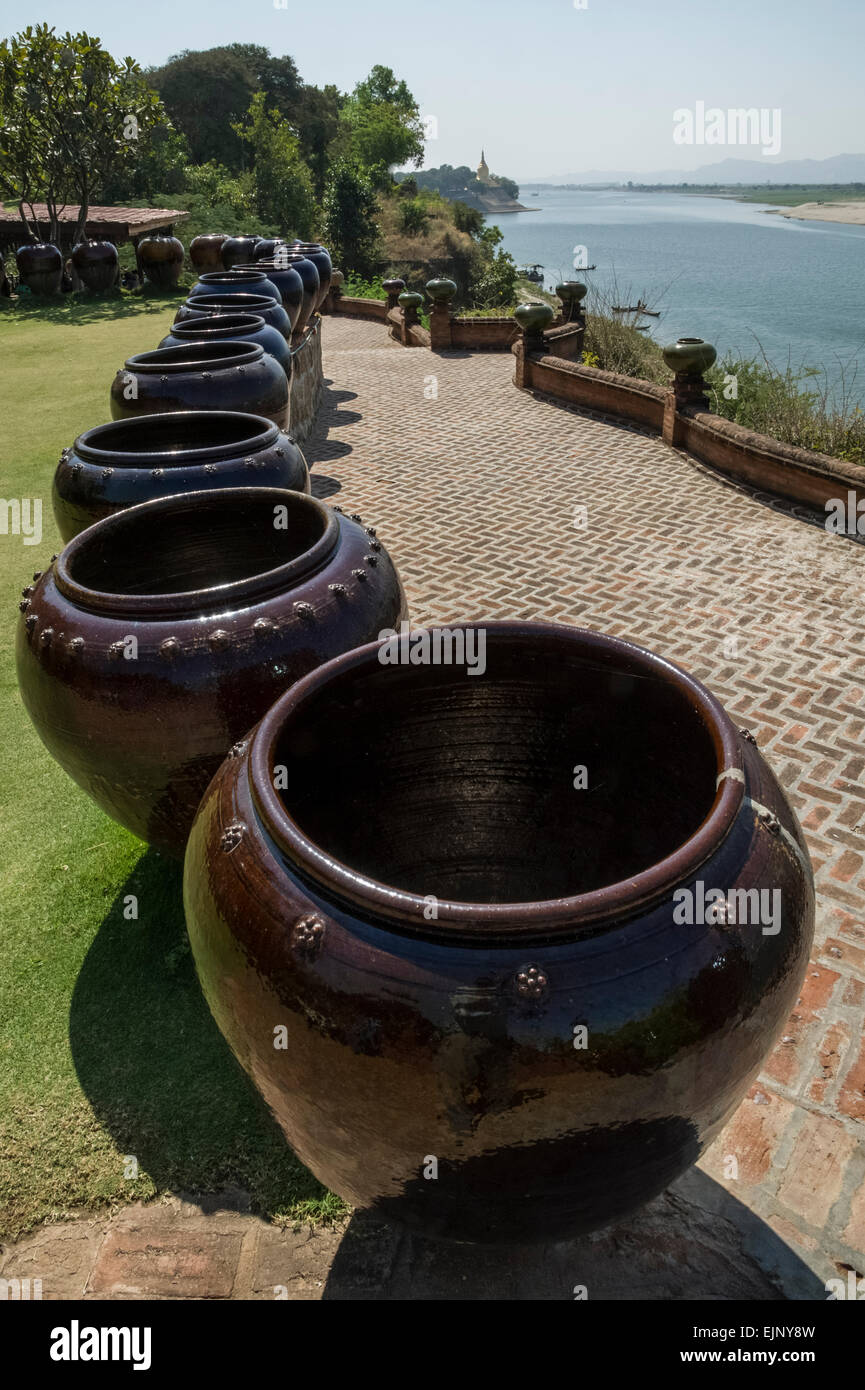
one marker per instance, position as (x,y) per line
(414,218)
(283,184)
(83,114)
(349,226)
(468,219)
(204,94)
(159,168)
(381,122)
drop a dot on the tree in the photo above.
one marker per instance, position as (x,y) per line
(282,181)
(381,122)
(414,218)
(72,120)
(349,226)
(204,94)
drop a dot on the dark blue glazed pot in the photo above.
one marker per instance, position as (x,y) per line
(227,375)
(263,305)
(461,914)
(234,282)
(288,282)
(214,328)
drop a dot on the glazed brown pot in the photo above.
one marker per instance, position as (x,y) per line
(162,633)
(119,465)
(439,912)
(205,251)
(40,267)
(160,258)
(228,375)
(247,328)
(270,310)
(96,264)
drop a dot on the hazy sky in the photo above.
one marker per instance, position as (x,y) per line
(545,87)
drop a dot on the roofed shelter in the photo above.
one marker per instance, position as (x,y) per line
(105,224)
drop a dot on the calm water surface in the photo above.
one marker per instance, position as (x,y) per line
(717,269)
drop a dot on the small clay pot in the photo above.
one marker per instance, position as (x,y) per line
(238,248)
(234,282)
(205,251)
(163,632)
(441,291)
(40,267)
(96,264)
(689,356)
(287,281)
(534,318)
(119,465)
(228,375)
(471,899)
(248,328)
(161,260)
(263,305)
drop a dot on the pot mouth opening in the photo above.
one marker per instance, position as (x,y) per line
(197,552)
(231,277)
(232,352)
(512,778)
(171,438)
(245,302)
(219,325)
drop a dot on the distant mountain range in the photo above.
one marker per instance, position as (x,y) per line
(840,168)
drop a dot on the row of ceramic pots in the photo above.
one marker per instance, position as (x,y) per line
(391,882)
(160,258)
(391,879)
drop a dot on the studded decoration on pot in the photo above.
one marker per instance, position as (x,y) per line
(161,634)
(118,465)
(227,375)
(487,957)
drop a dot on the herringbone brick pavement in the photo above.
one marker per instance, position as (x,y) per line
(496,504)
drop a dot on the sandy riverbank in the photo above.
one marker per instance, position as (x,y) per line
(825,212)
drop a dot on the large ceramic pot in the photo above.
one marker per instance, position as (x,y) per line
(118,465)
(234,282)
(96,264)
(265,247)
(162,633)
(437,912)
(248,328)
(205,251)
(40,267)
(288,282)
(161,260)
(270,310)
(311,284)
(238,248)
(230,375)
(322,262)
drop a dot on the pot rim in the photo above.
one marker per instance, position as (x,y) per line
(263,433)
(613,901)
(249,323)
(232,277)
(267,302)
(193,603)
(159,360)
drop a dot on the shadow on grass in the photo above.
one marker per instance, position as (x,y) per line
(155,1068)
(80,309)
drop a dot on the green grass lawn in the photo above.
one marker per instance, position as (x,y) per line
(107,1049)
